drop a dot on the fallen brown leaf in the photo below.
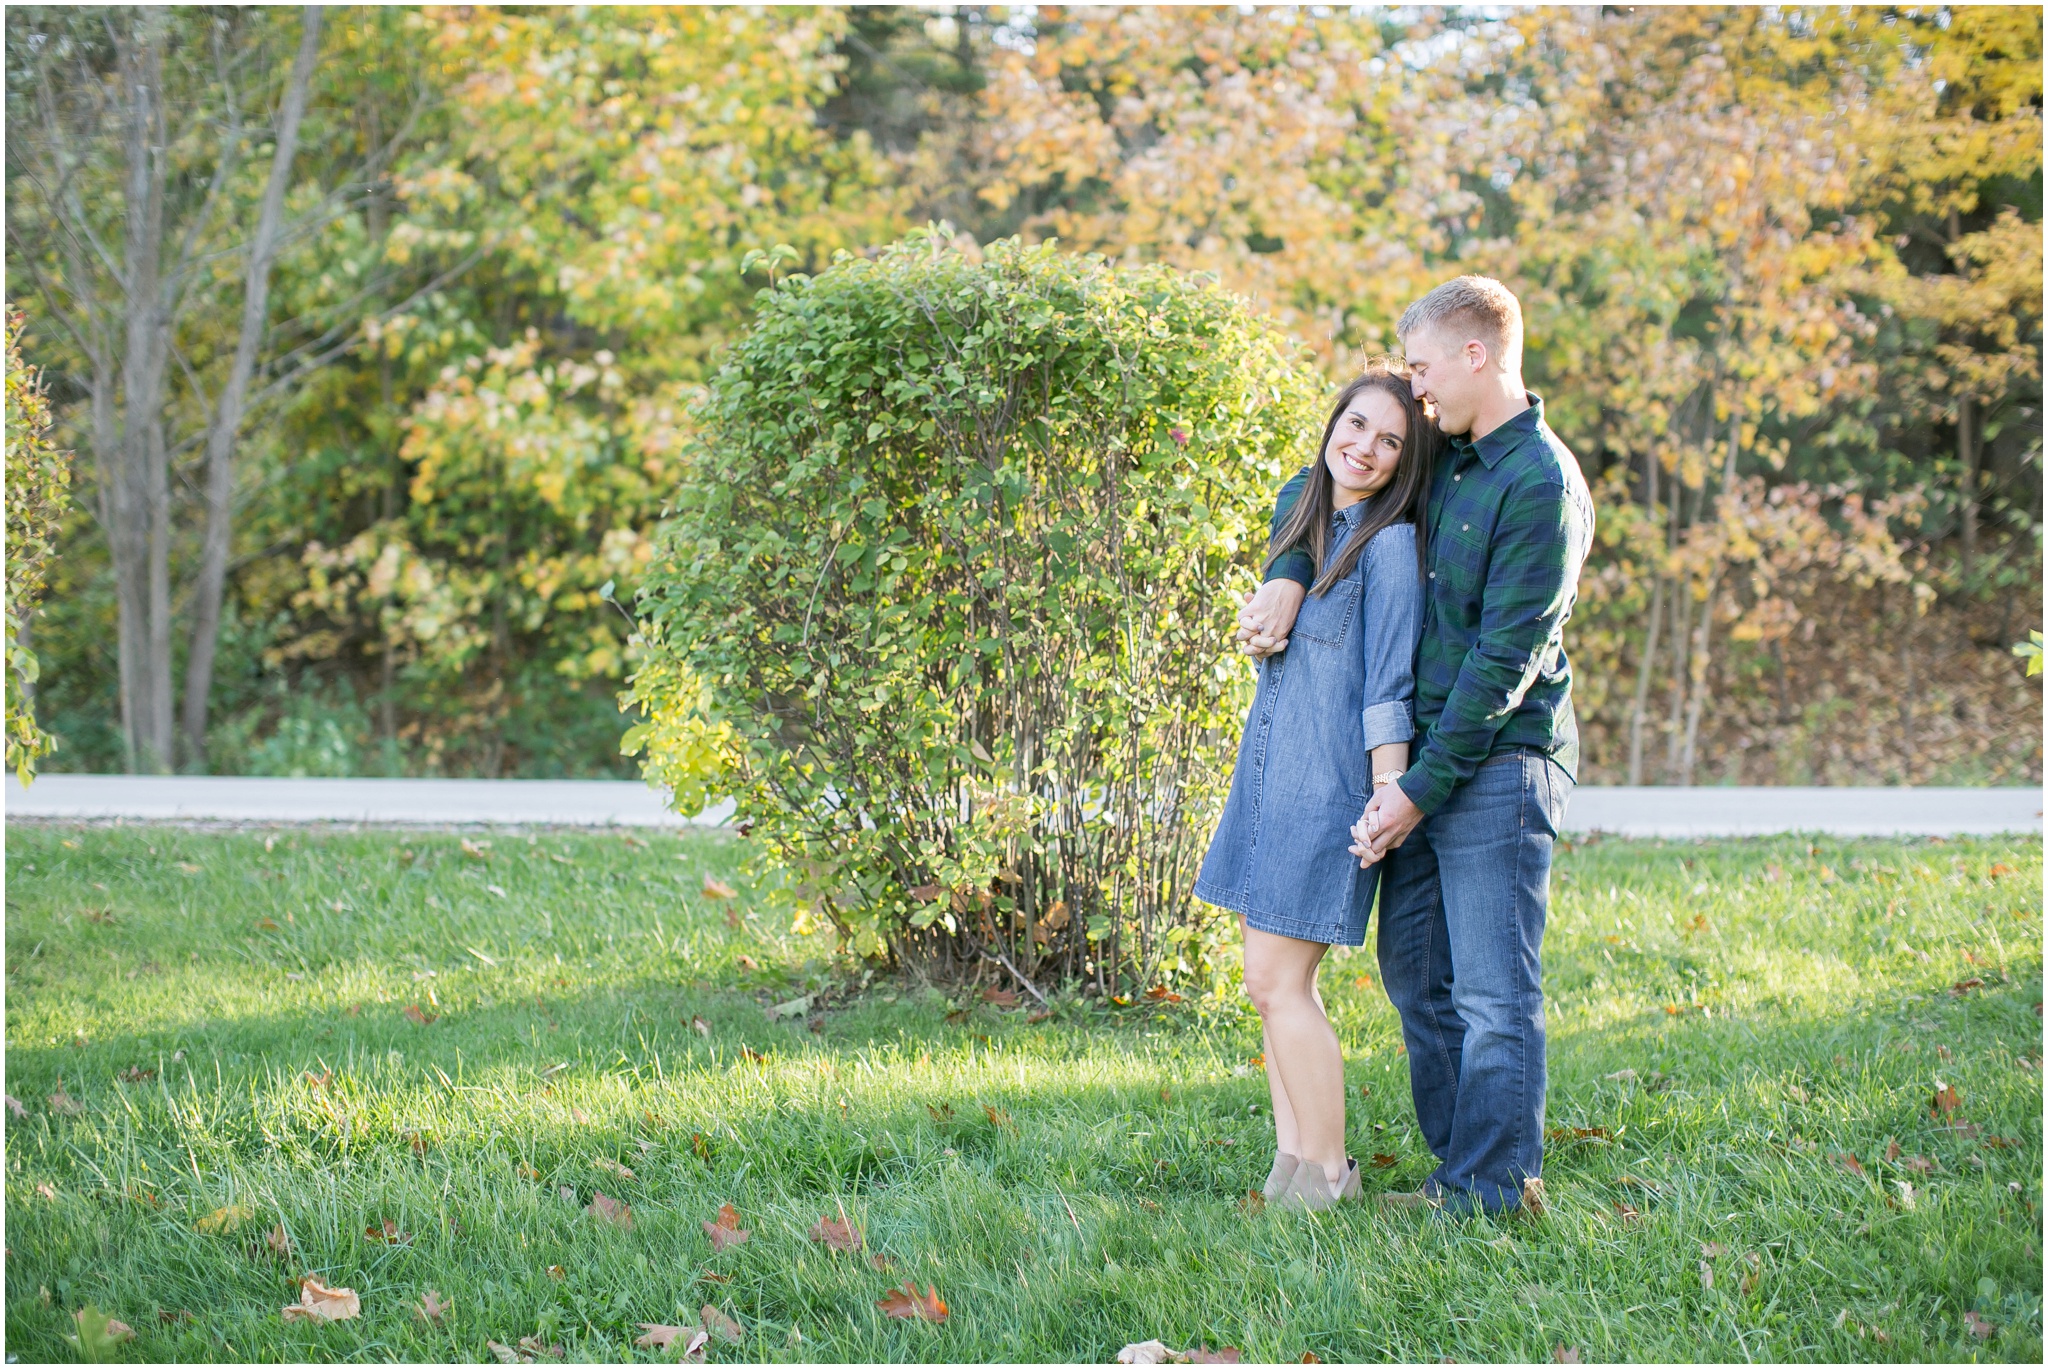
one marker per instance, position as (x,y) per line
(718,888)
(45,1190)
(1561,1135)
(136,1074)
(1161,994)
(611,1211)
(694,1338)
(1849,1162)
(557,1273)
(719,1324)
(1566,1354)
(388,1233)
(700,1026)
(1706,1277)
(998,1118)
(418,1018)
(612,1167)
(753,1056)
(2001,868)
(1310,1356)
(1150,1352)
(222,1220)
(882,1264)
(1033,1019)
(277,1243)
(1227,1355)
(527,1171)
(1001,998)
(1964,986)
(710,1277)
(1979,1327)
(529,1349)
(1946,1099)
(64,1104)
(1385,1161)
(1891,1151)
(432,1308)
(170,1316)
(1533,1198)
(726,1230)
(14,1105)
(839,1235)
(319,1303)
(1919,1164)
(1628,1213)
(906,1303)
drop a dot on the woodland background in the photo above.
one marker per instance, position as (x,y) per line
(375,332)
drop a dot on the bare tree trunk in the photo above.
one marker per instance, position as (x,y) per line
(1697,693)
(227,417)
(1681,647)
(1968,448)
(1648,664)
(140,500)
(1643,672)
(1701,658)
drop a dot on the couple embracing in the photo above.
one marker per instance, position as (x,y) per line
(1412,736)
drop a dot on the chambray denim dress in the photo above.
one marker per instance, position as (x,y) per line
(1345,684)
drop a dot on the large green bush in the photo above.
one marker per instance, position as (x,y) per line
(947,593)
(38,494)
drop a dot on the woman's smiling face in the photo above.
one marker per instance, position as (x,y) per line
(1366,445)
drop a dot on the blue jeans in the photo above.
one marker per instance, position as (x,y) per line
(1462,906)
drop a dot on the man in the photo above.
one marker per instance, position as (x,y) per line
(1467,829)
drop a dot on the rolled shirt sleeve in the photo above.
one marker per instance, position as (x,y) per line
(1393,628)
(1295,563)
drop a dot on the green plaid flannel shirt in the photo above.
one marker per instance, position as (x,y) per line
(1509,522)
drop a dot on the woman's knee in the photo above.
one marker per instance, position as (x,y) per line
(1272,987)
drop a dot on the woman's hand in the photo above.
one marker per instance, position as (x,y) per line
(1268,617)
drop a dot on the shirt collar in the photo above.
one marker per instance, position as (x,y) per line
(1497,444)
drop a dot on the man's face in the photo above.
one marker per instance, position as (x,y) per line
(1447,375)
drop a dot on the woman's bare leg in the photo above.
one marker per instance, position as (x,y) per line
(1304,1063)
(1286,1135)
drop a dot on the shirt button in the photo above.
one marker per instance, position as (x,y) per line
(1464,527)
(1432,575)
(1457,477)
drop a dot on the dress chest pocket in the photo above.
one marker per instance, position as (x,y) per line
(1326,619)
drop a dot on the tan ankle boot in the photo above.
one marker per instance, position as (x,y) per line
(1311,1190)
(1282,1172)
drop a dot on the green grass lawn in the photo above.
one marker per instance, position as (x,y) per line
(198,1021)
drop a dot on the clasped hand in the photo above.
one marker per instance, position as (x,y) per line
(1266,620)
(1384,825)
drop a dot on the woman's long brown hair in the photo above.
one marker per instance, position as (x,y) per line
(1401,501)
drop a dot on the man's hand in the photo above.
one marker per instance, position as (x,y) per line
(1384,825)
(1267,619)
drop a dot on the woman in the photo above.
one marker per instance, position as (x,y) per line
(1332,719)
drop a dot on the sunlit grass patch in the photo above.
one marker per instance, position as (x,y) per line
(1795,1114)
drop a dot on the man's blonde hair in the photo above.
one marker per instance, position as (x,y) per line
(1472,307)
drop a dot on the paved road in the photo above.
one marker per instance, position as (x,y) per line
(1645,812)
